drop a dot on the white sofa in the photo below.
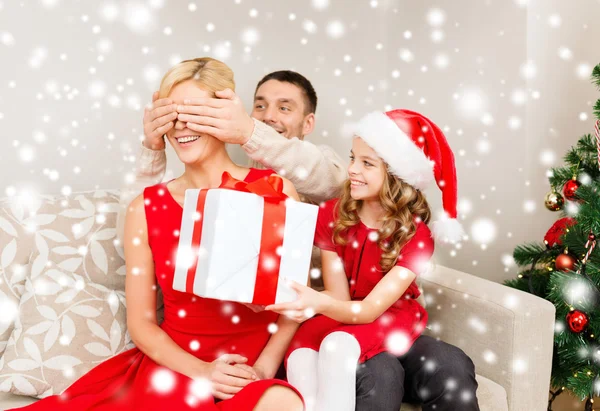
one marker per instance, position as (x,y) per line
(507,333)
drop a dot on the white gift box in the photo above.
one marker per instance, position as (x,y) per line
(226,262)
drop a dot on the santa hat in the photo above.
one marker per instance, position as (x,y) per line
(417,152)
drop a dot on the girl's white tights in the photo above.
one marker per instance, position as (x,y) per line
(302,373)
(327,379)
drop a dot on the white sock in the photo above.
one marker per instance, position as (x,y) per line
(302,374)
(338,359)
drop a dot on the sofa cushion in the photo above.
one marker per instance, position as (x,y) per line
(9,401)
(66,326)
(69,242)
(18,219)
(82,238)
(76,232)
(73,306)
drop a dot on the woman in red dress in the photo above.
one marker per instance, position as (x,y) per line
(374,241)
(207,354)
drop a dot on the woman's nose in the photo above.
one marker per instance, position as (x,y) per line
(180,125)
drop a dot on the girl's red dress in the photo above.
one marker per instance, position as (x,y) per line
(401,324)
(125,382)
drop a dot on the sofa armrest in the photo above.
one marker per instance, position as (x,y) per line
(507,333)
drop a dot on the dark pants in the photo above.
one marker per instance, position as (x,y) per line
(439,376)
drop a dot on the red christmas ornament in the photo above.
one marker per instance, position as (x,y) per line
(577,321)
(570,189)
(565,262)
(558,229)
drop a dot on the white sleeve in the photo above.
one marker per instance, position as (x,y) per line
(317,172)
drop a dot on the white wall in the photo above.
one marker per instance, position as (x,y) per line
(75,76)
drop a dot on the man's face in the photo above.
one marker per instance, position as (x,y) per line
(282,106)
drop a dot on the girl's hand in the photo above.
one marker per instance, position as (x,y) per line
(228,375)
(254,307)
(308,303)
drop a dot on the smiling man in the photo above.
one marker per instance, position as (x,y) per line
(287,102)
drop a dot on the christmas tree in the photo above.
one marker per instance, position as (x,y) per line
(565,268)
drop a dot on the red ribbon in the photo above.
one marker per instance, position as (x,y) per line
(267,275)
(196,236)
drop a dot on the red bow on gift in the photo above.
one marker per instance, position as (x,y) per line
(267,275)
(270,188)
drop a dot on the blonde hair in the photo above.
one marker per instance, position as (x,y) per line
(401,203)
(210,74)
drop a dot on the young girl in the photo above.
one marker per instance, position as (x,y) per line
(374,241)
(199,355)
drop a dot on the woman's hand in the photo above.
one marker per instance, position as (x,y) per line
(256,370)
(260,373)
(308,303)
(228,375)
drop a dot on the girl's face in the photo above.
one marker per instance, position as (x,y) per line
(190,146)
(366,171)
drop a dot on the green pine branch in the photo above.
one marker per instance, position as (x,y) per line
(524,254)
(596,76)
(581,158)
(587,144)
(588,216)
(586,151)
(561,175)
(581,384)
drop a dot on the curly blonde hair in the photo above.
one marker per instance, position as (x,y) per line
(401,203)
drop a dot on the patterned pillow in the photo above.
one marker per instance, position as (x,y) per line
(82,238)
(73,235)
(71,281)
(66,326)
(18,217)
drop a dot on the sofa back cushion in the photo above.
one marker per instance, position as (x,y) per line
(18,217)
(66,326)
(64,270)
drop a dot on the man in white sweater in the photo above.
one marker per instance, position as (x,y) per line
(273,137)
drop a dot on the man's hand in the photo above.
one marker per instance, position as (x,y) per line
(159,118)
(223,117)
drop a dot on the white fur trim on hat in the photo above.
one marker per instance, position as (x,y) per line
(447,230)
(405,159)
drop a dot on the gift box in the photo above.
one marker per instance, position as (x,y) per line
(242,241)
